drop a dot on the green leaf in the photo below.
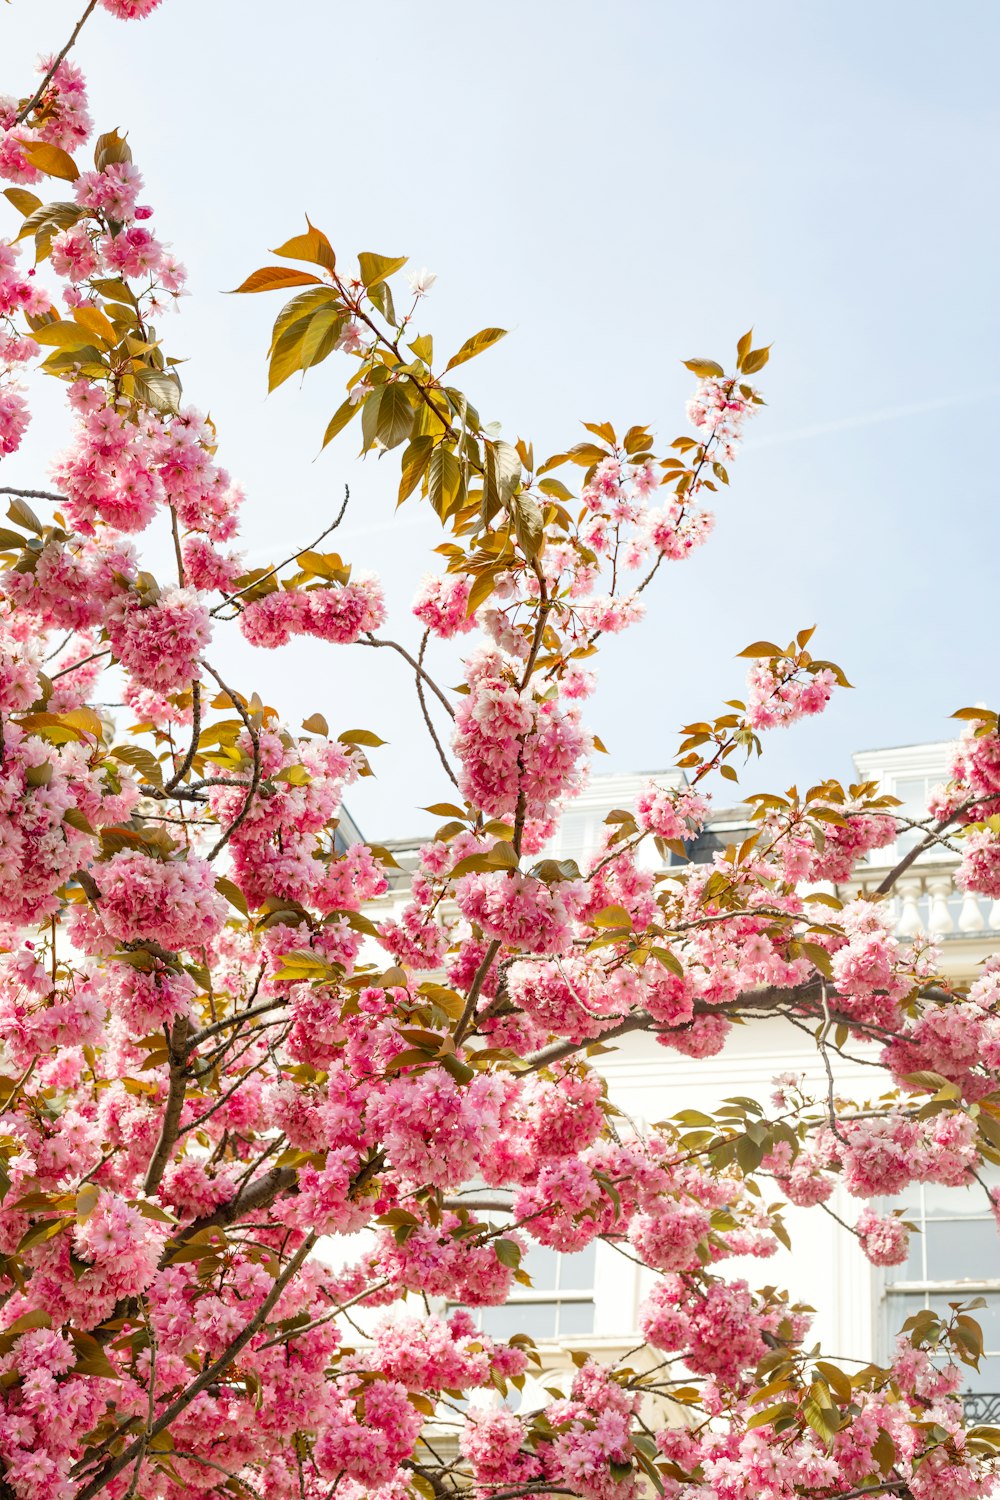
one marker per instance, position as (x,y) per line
(160,389)
(395,416)
(270,278)
(361,737)
(90,1357)
(481,590)
(529,526)
(423,348)
(23,201)
(756,360)
(63,335)
(22,514)
(761,648)
(233,895)
(508,1253)
(415,460)
(340,419)
(612,916)
(321,336)
(111,148)
(43,1229)
(375,268)
(287,355)
(141,760)
(444,480)
(305,304)
(485,339)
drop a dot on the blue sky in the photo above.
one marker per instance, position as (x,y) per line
(622,186)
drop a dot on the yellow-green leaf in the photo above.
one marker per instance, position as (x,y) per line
(485,339)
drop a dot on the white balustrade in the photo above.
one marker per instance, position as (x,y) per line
(929,902)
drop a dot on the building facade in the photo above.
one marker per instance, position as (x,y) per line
(591,1299)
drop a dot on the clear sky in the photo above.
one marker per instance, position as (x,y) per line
(622,185)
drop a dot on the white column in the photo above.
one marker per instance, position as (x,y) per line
(970,918)
(909,923)
(941,921)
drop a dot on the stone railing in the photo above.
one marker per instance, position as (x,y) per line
(925,899)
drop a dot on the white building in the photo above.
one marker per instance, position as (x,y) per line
(590,1300)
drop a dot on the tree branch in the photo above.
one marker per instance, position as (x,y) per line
(170,1128)
(244,811)
(371,640)
(231,598)
(206,1378)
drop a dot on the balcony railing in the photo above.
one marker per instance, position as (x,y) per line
(926,900)
(982,1407)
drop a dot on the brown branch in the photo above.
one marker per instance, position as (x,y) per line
(427,718)
(186,763)
(479,980)
(231,598)
(886,885)
(244,811)
(6,489)
(237,1020)
(207,1377)
(371,640)
(170,1127)
(259,1194)
(94,656)
(640,1021)
(26,110)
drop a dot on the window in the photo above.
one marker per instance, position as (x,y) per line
(558,1305)
(913,792)
(956,1257)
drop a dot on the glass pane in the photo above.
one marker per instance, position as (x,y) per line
(538,1319)
(960,1250)
(541,1264)
(955,1202)
(912,792)
(986,1378)
(575,1318)
(912,1268)
(576,1272)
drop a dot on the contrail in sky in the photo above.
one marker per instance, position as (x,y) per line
(875,418)
(799,435)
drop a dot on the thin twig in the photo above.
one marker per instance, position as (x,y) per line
(371,640)
(427,718)
(24,112)
(151,1410)
(6,489)
(278,566)
(94,656)
(255,777)
(170,1127)
(186,763)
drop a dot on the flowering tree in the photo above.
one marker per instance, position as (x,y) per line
(212,1057)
